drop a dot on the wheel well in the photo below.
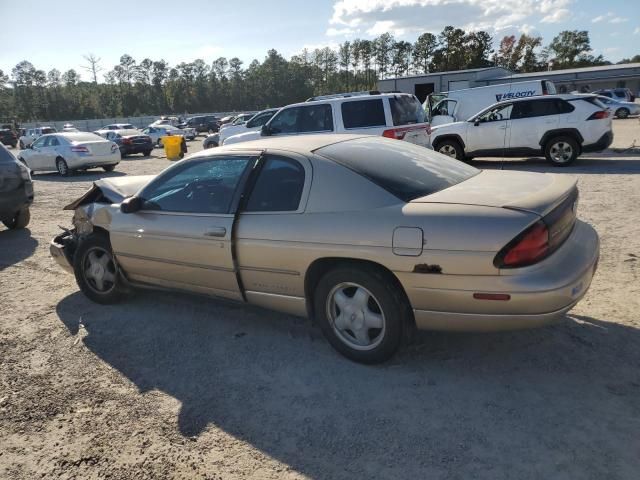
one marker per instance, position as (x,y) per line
(568,132)
(436,143)
(321,266)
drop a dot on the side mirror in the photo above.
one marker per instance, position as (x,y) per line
(131,205)
(265,131)
(476,122)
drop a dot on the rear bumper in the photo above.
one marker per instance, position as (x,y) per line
(602,144)
(16,200)
(539,294)
(94,161)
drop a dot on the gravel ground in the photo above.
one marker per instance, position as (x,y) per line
(175,386)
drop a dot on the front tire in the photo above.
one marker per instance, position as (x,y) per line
(146,153)
(109,168)
(62,167)
(21,220)
(622,113)
(450,148)
(96,270)
(361,313)
(561,151)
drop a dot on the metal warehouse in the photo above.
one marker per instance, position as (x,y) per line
(581,79)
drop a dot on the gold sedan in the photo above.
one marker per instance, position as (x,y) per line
(369,237)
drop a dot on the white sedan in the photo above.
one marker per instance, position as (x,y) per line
(66,152)
(156,132)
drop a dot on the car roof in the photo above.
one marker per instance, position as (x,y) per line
(302,144)
(344,98)
(79,136)
(561,96)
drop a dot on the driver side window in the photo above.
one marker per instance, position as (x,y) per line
(285,121)
(39,142)
(496,114)
(206,186)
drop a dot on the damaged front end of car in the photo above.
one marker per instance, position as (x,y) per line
(93,210)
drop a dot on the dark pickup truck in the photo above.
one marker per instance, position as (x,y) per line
(8,137)
(16,191)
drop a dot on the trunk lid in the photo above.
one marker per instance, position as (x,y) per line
(532,192)
(97,148)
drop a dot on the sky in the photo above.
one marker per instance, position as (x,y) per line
(59,35)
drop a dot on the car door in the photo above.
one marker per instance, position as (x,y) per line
(182,235)
(34,156)
(267,223)
(50,152)
(530,120)
(489,131)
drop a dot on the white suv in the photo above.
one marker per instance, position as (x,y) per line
(32,134)
(392,115)
(559,126)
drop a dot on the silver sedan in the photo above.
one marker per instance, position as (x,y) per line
(370,237)
(69,151)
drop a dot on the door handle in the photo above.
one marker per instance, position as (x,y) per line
(216,232)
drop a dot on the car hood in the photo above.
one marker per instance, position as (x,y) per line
(113,190)
(243,137)
(538,193)
(446,127)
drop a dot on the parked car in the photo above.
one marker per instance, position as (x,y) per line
(156,132)
(620,108)
(457,105)
(202,123)
(113,126)
(561,127)
(32,134)
(68,152)
(227,119)
(8,137)
(393,115)
(383,237)
(211,141)
(254,123)
(16,191)
(621,94)
(237,120)
(130,142)
(168,120)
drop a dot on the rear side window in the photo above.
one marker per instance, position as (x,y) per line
(278,187)
(363,113)
(406,110)
(540,108)
(403,169)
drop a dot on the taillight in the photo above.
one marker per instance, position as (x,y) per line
(599,115)
(80,149)
(527,248)
(394,133)
(126,141)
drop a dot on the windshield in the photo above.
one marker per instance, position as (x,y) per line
(405,170)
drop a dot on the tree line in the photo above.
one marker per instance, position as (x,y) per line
(152,87)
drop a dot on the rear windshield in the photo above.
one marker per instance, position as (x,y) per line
(83,137)
(593,101)
(406,110)
(403,169)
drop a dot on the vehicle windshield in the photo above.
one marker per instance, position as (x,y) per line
(405,170)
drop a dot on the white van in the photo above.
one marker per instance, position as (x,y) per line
(460,105)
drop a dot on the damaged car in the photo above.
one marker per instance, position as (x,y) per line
(369,237)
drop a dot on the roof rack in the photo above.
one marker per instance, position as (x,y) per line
(343,95)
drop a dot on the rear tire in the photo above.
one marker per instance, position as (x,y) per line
(62,167)
(622,113)
(361,313)
(21,220)
(109,168)
(146,153)
(450,148)
(96,270)
(561,151)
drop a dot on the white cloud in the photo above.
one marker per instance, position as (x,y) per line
(609,17)
(337,32)
(385,26)
(557,16)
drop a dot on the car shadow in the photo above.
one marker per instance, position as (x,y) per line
(560,397)
(79,176)
(583,165)
(15,246)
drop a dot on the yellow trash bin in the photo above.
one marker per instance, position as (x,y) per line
(172,147)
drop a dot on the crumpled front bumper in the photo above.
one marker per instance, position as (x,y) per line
(62,248)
